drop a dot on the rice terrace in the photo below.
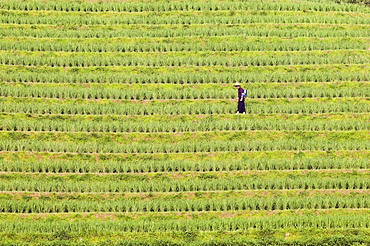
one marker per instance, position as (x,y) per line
(118,122)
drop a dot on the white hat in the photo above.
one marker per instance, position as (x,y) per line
(236,84)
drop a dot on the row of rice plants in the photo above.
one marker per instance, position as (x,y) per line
(158,166)
(183,147)
(196,119)
(187,196)
(72,60)
(225,44)
(103,227)
(60,184)
(45,205)
(182,108)
(158,31)
(46,75)
(203,70)
(75,92)
(146,178)
(124,125)
(163,6)
(191,18)
(124,138)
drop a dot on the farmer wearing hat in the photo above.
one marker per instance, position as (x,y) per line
(241,97)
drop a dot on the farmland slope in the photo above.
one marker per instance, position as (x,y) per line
(118,125)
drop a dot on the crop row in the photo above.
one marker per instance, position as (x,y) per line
(265,156)
(163,6)
(216,176)
(164,137)
(150,166)
(147,31)
(192,197)
(38,75)
(125,125)
(196,119)
(181,108)
(72,60)
(107,227)
(178,205)
(183,147)
(190,18)
(59,184)
(224,44)
(352,237)
(63,92)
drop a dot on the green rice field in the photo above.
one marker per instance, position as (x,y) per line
(118,125)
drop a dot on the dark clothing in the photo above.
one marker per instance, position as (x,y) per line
(241,104)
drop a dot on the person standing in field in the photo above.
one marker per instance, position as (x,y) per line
(241,96)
